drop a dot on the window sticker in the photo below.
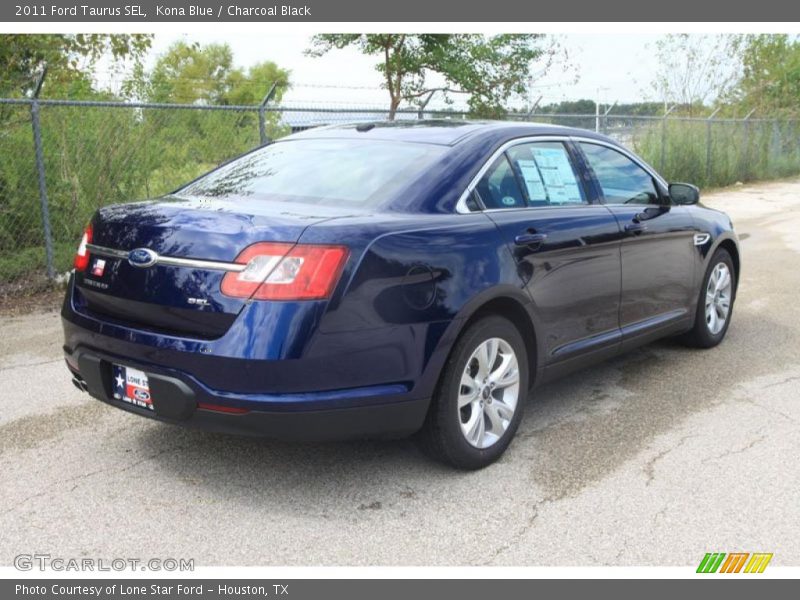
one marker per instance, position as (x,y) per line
(533,180)
(549,177)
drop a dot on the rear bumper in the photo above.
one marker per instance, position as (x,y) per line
(373,412)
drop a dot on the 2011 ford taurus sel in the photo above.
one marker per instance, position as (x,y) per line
(384,279)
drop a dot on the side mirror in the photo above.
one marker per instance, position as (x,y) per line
(684,193)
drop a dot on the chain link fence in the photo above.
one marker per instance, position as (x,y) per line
(63,159)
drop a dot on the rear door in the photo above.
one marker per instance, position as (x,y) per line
(657,248)
(566,247)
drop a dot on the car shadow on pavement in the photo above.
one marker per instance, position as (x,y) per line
(576,431)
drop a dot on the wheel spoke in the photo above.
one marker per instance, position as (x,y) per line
(723,281)
(465,399)
(478,428)
(503,409)
(468,391)
(721,314)
(487,356)
(712,319)
(506,373)
(496,422)
(712,282)
(724,306)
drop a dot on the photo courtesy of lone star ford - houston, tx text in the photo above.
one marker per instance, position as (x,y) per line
(350,299)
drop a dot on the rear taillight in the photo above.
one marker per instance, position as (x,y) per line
(82,255)
(286,272)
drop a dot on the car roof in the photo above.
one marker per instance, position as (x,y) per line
(446,132)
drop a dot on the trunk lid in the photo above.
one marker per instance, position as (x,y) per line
(182,300)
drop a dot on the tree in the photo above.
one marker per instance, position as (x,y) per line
(570,107)
(771,75)
(191,73)
(490,70)
(70,59)
(694,70)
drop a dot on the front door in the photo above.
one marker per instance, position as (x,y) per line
(658,241)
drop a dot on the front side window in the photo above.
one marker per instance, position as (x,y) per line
(622,180)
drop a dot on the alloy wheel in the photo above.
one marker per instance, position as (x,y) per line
(718,298)
(489,393)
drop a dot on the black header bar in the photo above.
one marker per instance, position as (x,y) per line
(440,11)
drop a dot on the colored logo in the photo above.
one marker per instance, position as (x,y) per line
(99,267)
(142,258)
(734,562)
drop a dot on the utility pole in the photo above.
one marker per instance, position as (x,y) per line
(262,114)
(597,109)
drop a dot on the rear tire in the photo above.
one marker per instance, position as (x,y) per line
(480,397)
(715,303)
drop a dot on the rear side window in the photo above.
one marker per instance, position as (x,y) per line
(499,187)
(547,174)
(622,180)
(321,171)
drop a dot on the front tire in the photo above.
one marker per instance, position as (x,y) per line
(715,304)
(480,398)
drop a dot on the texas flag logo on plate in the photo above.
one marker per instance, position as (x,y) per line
(132,386)
(98,267)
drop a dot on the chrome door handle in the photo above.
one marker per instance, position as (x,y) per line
(635,227)
(529,239)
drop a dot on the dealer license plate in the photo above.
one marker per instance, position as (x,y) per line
(131,386)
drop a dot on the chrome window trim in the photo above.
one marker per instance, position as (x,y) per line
(628,154)
(172,261)
(461,205)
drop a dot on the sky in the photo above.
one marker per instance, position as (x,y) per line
(615,67)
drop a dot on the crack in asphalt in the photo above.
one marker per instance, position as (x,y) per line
(83,476)
(517,537)
(650,465)
(34,364)
(783,381)
(745,448)
(768,409)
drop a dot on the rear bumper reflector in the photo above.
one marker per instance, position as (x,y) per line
(234,410)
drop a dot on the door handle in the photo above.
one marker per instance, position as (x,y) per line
(635,227)
(530,239)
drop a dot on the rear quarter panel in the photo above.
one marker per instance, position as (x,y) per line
(410,284)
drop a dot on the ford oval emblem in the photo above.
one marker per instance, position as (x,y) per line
(142,258)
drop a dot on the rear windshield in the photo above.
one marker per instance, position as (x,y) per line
(355,172)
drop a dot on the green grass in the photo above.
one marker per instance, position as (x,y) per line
(32,261)
(737,152)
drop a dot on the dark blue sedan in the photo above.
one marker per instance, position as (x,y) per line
(387,279)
